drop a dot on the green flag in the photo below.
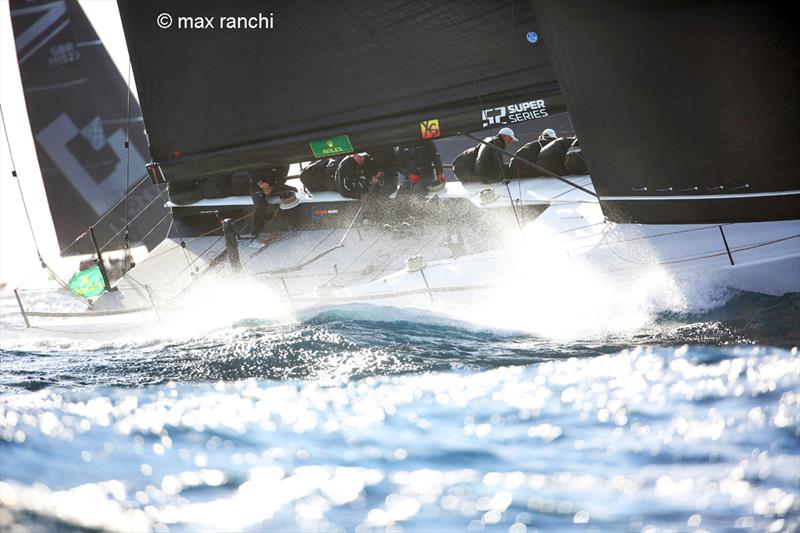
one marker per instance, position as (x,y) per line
(87,283)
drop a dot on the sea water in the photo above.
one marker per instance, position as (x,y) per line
(369,418)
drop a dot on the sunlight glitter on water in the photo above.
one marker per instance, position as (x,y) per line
(652,433)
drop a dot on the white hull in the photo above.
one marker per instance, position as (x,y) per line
(307,269)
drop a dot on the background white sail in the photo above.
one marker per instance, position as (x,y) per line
(17,252)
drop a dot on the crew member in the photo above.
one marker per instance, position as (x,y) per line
(382,162)
(420,162)
(352,178)
(529,152)
(574,161)
(553,153)
(266,182)
(320,175)
(464,165)
(489,166)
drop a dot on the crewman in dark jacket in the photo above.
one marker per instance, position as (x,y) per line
(382,162)
(552,155)
(464,165)
(351,178)
(420,162)
(529,152)
(266,182)
(573,161)
(359,174)
(320,175)
(489,166)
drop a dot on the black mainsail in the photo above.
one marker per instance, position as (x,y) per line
(687,111)
(78,105)
(218,99)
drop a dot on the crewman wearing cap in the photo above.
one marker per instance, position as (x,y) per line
(548,134)
(529,152)
(552,156)
(489,166)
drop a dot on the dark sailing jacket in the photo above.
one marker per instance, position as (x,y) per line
(420,158)
(320,175)
(464,164)
(275,176)
(351,179)
(382,159)
(489,166)
(574,161)
(552,155)
(529,152)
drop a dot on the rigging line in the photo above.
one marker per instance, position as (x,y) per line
(196,258)
(381,235)
(28,216)
(325,238)
(125,228)
(266,230)
(709,256)
(329,250)
(575,229)
(611,249)
(195,238)
(644,237)
(178,231)
(435,234)
(358,213)
(19,186)
(125,241)
(513,207)
(204,251)
(547,173)
(300,265)
(67,287)
(559,195)
(723,252)
(351,263)
(141,241)
(82,235)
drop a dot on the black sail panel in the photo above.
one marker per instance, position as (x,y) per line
(215,99)
(686,111)
(77,103)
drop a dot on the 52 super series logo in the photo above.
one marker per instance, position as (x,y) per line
(511,114)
